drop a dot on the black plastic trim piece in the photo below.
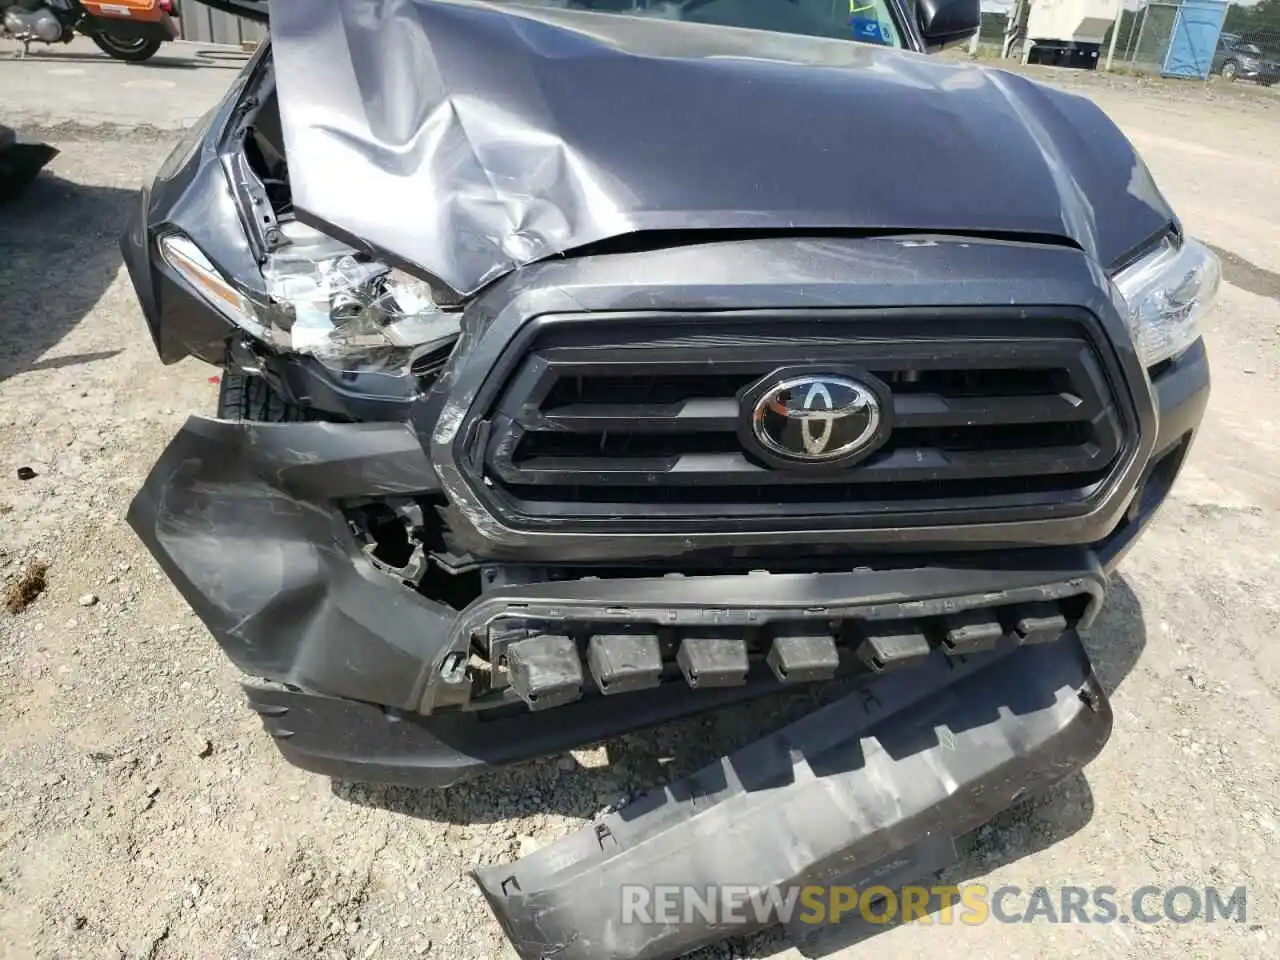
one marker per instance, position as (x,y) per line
(923,756)
(732,604)
(367,743)
(1182,394)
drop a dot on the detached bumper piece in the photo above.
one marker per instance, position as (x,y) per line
(870,789)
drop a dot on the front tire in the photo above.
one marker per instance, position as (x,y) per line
(133,51)
(1230,71)
(245,397)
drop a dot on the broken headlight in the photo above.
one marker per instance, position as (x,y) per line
(1165,295)
(325,300)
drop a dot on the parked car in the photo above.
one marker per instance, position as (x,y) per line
(585,367)
(1238,59)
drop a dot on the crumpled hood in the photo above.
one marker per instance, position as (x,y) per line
(467,139)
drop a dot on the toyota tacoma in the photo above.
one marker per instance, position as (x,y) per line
(586,365)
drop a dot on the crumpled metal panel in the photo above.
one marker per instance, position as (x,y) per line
(467,139)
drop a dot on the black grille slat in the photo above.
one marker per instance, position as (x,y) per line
(703,415)
(747,359)
(934,410)
(701,502)
(914,465)
(638,420)
(720,414)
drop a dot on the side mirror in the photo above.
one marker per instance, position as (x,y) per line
(944,22)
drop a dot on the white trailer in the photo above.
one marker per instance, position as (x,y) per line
(1068,33)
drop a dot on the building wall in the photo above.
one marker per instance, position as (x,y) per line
(198,22)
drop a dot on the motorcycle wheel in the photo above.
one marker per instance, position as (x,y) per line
(133,51)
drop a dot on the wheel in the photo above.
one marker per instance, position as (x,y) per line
(1230,71)
(1265,83)
(134,51)
(244,397)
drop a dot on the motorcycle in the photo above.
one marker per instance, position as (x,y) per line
(131,30)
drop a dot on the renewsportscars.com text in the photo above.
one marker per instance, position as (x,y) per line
(971,904)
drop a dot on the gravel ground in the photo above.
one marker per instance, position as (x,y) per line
(143,812)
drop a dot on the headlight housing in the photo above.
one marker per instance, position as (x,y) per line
(349,311)
(1165,294)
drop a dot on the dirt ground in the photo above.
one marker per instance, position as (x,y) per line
(144,813)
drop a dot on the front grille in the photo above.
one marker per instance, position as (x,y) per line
(629,421)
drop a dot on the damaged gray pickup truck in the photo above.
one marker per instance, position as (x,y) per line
(587,365)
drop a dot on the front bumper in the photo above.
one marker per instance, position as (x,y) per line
(365,677)
(872,789)
(1261,73)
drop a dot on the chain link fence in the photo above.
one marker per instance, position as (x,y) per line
(1182,40)
(1193,39)
(1150,45)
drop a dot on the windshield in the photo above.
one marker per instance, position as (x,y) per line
(865,21)
(1249,48)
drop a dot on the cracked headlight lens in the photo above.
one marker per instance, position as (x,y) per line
(326,300)
(1165,295)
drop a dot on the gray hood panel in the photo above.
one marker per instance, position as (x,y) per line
(467,139)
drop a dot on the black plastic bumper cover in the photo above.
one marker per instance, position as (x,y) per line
(859,791)
(243,520)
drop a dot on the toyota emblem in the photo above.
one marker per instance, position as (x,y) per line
(816,418)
